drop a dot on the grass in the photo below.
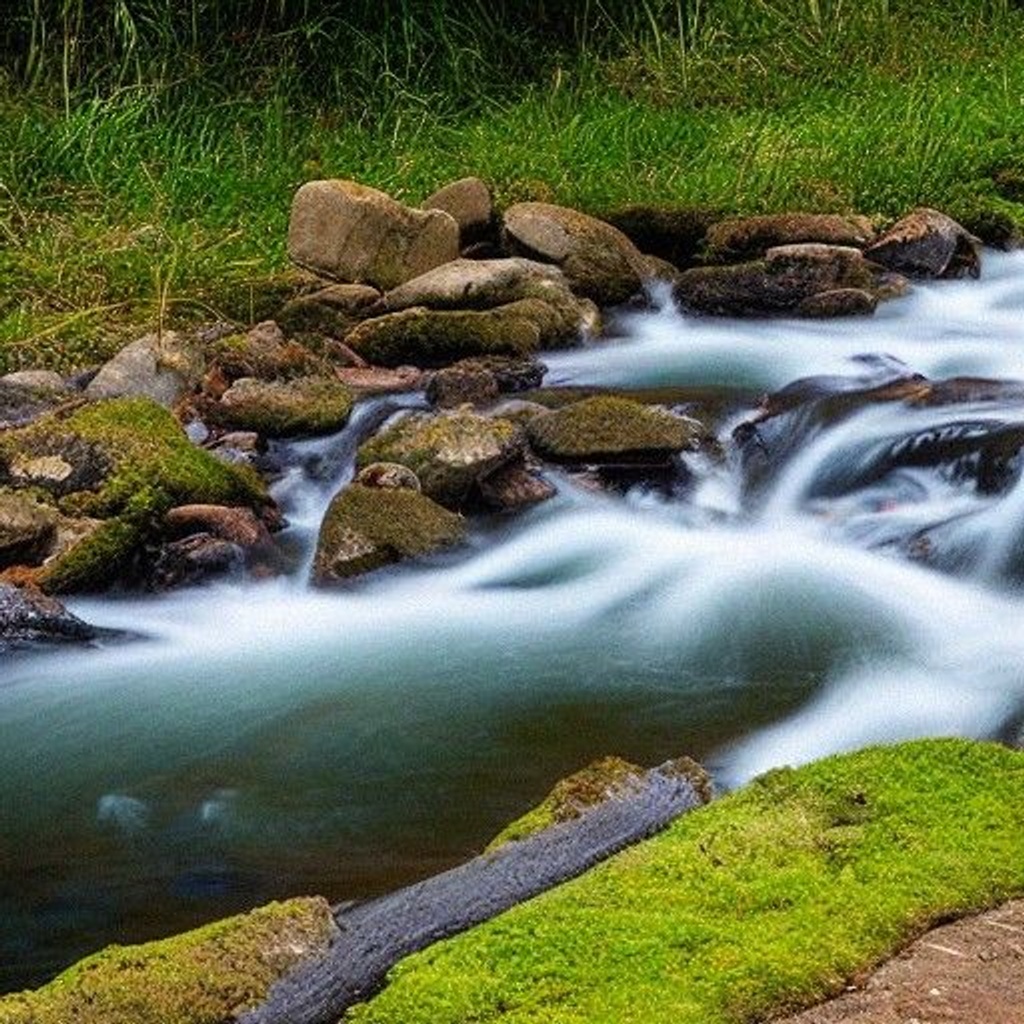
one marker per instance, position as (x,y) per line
(159,187)
(765,901)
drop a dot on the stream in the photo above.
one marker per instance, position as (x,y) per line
(259,739)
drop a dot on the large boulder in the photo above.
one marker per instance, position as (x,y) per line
(306,405)
(351,232)
(29,618)
(469,202)
(450,453)
(927,243)
(607,429)
(27,529)
(366,528)
(746,237)
(599,261)
(781,283)
(439,337)
(163,366)
(123,462)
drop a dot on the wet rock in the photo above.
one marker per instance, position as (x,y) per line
(468,201)
(366,528)
(163,367)
(673,234)
(598,260)
(514,487)
(237,525)
(745,237)
(331,312)
(264,353)
(27,530)
(450,452)
(379,380)
(193,560)
(388,475)
(787,277)
(28,618)
(306,405)
(927,243)
(480,284)
(606,429)
(350,232)
(838,302)
(463,383)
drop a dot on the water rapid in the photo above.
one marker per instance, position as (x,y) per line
(263,739)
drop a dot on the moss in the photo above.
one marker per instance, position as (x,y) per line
(307,405)
(432,338)
(366,528)
(767,900)
(205,976)
(606,428)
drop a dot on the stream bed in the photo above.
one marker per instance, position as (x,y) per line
(259,740)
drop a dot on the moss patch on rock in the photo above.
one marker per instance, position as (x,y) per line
(206,976)
(366,528)
(307,405)
(606,428)
(765,901)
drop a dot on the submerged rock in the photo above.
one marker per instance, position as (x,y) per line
(351,232)
(306,405)
(927,243)
(606,429)
(450,453)
(366,528)
(598,260)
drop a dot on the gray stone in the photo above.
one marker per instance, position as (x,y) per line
(26,530)
(469,202)
(28,618)
(161,366)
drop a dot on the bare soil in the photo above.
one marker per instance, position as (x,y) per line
(967,972)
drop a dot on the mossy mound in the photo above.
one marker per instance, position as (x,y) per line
(206,976)
(124,460)
(610,429)
(765,901)
(450,452)
(366,528)
(307,405)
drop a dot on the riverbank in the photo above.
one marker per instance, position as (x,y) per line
(160,196)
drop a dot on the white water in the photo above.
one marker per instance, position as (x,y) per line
(265,739)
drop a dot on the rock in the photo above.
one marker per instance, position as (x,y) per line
(927,243)
(450,452)
(161,366)
(480,284)
(331,311)
(606,429)
(514,487)
(366,528)
(193,560)
(379,380)
(28,617)
(672,234)
(465,382)
(599,261)
(237,447)
(350,232)
(838,302)
(237,525)
(125,462)
(777,284)
(21,403)
(468,201)
(26,530)
(306,405)
(264,353)
(388,475)
(44,380)
(744,237)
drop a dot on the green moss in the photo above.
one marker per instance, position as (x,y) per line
(202,977)
(366,528)
(765,901)
(308,405)
(609,428)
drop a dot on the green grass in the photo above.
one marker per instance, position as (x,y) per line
(762,902)
(160,186)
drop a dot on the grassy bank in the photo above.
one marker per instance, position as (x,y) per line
(148,176)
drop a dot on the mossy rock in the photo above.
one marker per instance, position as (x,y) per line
(449,452)
(206,976)
(367,528)
(607,429)
(743,237)
(124,460)
(264,353)
(306,405)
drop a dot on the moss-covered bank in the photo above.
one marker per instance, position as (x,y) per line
(766,900)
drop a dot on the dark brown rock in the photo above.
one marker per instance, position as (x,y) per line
(28,618)
(838,302)
(673,234)
(745,237)
(237,525)
(514,487)
(26,530)
(927,243)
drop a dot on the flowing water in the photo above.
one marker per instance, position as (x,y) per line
(261,739)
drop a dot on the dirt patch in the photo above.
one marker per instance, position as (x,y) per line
(968,972)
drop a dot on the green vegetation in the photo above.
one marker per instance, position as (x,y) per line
(149,150)
(205,975)
(764,901)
